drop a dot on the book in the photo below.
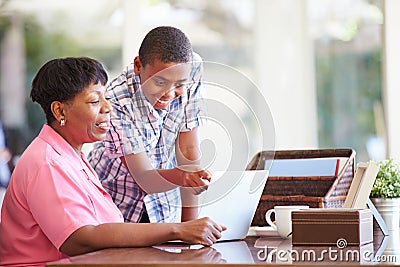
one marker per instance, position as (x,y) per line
(330,166)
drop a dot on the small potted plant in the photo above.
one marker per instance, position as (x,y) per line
(385,193)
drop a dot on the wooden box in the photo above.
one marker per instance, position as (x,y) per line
(314,191)
(335,227)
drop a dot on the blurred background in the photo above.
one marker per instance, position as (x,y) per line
(324,66)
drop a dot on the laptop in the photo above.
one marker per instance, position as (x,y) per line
(231,199)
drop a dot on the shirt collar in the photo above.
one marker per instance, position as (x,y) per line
(60,145)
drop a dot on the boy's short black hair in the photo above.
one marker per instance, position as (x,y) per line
(62,79)
(166,43)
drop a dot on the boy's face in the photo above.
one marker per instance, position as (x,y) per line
(162,82)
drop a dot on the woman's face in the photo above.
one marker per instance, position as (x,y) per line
(87,116)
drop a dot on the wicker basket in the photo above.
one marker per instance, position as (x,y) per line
(314,191)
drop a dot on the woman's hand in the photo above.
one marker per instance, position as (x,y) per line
(202,231)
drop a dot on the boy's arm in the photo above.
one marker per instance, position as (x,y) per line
(160,180)
(188,153)
(149,179)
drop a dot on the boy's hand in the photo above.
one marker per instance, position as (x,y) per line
(195,177)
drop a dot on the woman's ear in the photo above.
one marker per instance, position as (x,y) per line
(137,65)
(57,108)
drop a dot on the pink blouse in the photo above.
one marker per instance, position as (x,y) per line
(52,193)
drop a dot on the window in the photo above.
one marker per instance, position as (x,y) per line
(348,49)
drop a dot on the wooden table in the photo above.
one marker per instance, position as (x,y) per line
(253,250)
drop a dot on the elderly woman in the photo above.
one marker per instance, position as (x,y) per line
(55,205)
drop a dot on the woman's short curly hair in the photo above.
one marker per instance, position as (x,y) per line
(62,79)
(166,43)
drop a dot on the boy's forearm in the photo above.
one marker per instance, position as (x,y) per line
(149,179)
(189,213)
(190,201)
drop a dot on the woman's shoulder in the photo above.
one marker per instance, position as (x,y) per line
(38,152)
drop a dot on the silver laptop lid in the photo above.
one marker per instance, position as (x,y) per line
(232,199)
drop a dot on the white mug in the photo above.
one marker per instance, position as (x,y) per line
(283,219)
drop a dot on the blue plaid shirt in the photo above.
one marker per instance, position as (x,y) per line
(137,127)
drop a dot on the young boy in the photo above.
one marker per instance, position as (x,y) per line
(152,148)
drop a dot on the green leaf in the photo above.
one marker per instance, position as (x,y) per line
(387,182)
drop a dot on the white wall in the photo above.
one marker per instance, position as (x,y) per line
(285,70)
(133,32)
